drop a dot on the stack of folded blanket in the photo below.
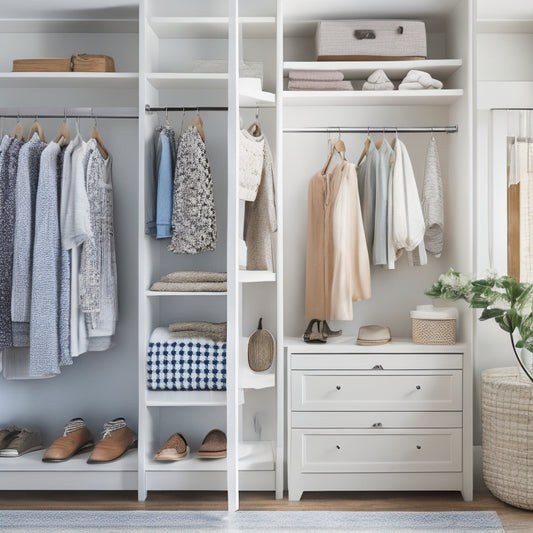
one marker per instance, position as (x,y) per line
(195,281)
(318,80)
(214,331)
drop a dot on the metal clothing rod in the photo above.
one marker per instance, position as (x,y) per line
(152,109)
(375,129)
(511,108)
(79,112)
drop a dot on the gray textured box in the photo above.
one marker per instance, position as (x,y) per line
(369,40)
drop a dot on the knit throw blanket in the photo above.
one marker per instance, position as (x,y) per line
(194,277)
(190,287)
(185,364)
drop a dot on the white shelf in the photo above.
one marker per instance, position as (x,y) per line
(188,80)
(185,398)
(195,293)
(211,27)
(253,455)
(69,80)
(66,25)
(395,70)
(256,276)
(504,26)
(32,462)
(264,99)
(353,98)
(248,379)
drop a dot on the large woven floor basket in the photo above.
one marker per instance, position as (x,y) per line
(507,421)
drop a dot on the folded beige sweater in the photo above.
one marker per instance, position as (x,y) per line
(190,287)
(194,277)
(316,75)
(193,334)
(310,85)
(212,327)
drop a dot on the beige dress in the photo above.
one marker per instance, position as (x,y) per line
(338,268)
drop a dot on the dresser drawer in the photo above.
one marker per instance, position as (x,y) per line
(376,420)
(430,450)
(430,390)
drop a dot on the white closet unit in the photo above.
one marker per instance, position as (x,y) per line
(394,292)
(176,42)
(99,386)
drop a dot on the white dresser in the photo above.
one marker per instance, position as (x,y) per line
(391,417)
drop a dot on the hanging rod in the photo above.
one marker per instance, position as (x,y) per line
(511,108)
(375,129)
(151,109)
(78,112)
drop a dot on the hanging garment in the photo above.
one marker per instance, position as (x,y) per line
(8,179)
(75,230)
(150,187)
(337,265)
(432,205)
(25,196)
(98,270)
(194,227)
(366,179)
(165,183)
(48,271)
(251,164)
(260,222)
(383,165)
(407,228)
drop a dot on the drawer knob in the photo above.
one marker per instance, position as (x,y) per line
(377,367)
(418,387)
(377,425)
(418,447)
(338,447)
(338,387)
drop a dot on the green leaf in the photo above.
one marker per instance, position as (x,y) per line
(491,313)
(503,322)
(478,302)
(520,344)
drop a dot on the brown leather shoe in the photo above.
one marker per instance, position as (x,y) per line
(76,439)
(214,445)
(173,450)
(117,439)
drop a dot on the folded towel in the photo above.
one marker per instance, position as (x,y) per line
(194,277)
(201,286)
(210,327)
(316,75)
(310,85)
(193,334)
(418,79)
(378,81)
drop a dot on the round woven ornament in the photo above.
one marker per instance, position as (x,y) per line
(260,349)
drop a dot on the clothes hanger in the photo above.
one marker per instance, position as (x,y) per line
(339,147)
(366,146)
(199,124)
(379,142)
(18,131)
(36,128)
(167,122)
(255,127)
(63,135)
(95,134)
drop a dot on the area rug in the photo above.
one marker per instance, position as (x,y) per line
(248,521)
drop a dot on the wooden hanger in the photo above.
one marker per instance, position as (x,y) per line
(95,134)
(199,124)
(365,150)
(339,147)
(63,135)
(18,131)
(36,128)
(255,127)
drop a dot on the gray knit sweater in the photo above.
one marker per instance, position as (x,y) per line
(260,222)
(8,178)
(49,272)
(25,194)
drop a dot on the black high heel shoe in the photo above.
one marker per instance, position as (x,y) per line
(314,332)
(330,332)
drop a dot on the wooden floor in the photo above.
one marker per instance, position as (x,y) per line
(513,519)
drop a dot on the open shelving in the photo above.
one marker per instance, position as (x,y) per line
(70,80)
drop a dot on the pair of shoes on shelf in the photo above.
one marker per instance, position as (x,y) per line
(414,80)
(116,440)
(318,331)
(15,441)
(214,446)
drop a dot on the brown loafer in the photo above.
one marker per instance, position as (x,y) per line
(214,445)
(173,450)
(117,439)
(76,439)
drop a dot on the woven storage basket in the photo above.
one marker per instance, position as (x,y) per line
(260,349)
(507,426)
(430,331)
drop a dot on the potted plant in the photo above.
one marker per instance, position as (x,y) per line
(506,300)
